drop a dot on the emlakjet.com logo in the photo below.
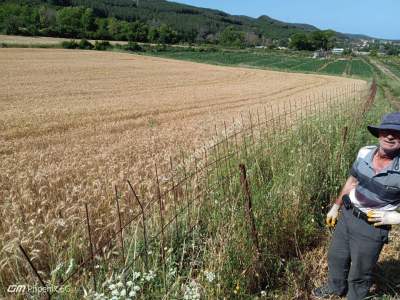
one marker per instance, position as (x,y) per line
(33,289)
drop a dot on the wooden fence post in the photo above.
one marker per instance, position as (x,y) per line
(91,247)
(258,272)
(35,271)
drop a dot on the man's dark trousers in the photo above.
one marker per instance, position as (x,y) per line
(352,255)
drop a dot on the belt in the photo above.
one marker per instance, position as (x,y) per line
(356,211)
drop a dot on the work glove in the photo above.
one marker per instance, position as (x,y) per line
(332,216)
(383,217)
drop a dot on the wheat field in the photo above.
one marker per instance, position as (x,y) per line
(75,123)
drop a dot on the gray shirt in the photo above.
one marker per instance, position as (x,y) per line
(375,191)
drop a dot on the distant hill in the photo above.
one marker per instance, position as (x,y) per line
(358,36)
(205,24)
(190,23)
(184,17)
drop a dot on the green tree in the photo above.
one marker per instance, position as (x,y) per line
(153,35)
(139,32)
(322,39)
(114,29)
(231,37)
(12,25)
(102,29)
(69,21)
(167,35)
(373,53)
(300,41)
(88,22)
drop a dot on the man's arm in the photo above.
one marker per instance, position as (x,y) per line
(331,217)
(351,183)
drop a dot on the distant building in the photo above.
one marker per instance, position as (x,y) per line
(363,53)
(338,51)
(321,54)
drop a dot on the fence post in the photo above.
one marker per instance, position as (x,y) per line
(174,194)
(91,245)
(248,208)
(35,271)
(121,235)
(144,227)
(161,208)
(258,270)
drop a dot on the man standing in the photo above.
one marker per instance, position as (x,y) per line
(370,198)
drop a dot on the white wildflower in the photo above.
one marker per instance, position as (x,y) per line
(136,288)
(135,275)
(210,276)
(98,296)
(112,287)
(192,291)
(129,283)
(120,284)
(115,293)
(149,276)
(123,293)
(132,293)
(263,293)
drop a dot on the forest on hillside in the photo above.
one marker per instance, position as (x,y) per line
(141,21)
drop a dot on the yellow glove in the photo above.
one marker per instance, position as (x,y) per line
(332,216)
(383,217)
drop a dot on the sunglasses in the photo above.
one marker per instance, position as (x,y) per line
(386,132)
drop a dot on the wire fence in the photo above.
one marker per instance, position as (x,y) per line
(171,210)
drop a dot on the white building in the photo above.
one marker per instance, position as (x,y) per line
(337,51)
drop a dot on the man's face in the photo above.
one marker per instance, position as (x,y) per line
(389,140)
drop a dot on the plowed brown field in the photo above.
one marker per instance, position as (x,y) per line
(74,122)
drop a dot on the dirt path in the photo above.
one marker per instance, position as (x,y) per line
(384,69)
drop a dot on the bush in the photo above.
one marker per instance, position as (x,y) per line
(103,45)
(160,48)
(85,44)
(72,44)
(132,46)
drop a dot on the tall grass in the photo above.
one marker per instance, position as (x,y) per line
(208,252)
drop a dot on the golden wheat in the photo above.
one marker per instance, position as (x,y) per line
(75,123)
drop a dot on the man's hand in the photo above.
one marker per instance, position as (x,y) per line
(383,217)
(332,216)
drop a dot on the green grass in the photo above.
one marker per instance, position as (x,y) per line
(336,68)
(255,59)
(393,64)
(274,60)
(311,65)
(361,68)
(293,176)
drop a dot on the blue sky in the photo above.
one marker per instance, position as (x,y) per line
(379,19)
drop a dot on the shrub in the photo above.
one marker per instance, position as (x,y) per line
(85,44)
(103,45)
(132,46)
(72,44)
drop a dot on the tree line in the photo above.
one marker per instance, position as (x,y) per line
(101,21)
(315,40)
